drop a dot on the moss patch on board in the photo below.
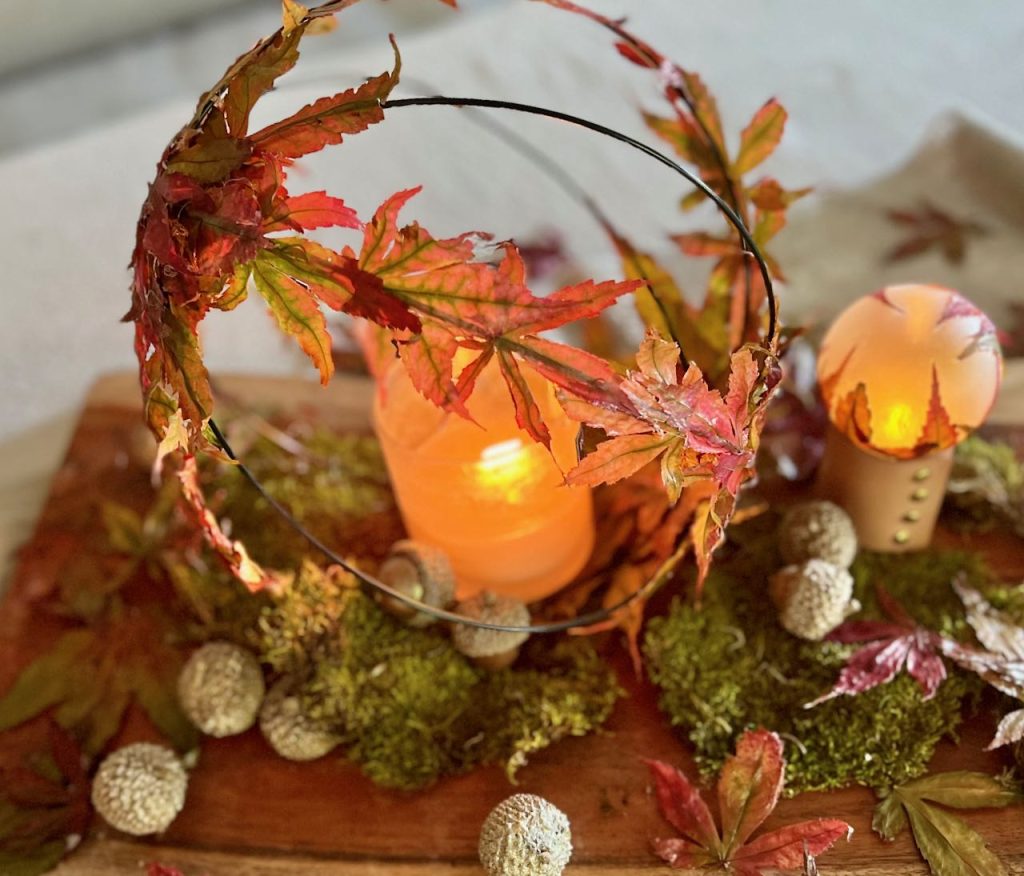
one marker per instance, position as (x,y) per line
(728,665)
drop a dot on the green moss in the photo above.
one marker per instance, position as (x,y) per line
(336,485)
(412,708)
(728,665)
(986,488)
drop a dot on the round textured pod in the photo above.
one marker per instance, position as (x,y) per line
(289,731)
(818,531)
(525,835)
(491,648)
(813,598)
(221,689)
(421,572)
(140,789)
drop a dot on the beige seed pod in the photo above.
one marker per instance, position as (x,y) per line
(813,598)
(817,531)
(221,688)
(491,649)
(422,572)
(525,835)
(289,731)
(140,789)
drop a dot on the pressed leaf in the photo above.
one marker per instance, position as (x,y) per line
(889,818)
(950,847)
(749,786)
(760,137)
(962,789)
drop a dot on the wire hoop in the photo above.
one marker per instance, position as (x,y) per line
(589,618)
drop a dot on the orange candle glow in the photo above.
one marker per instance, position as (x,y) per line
(485,492)
(905,374)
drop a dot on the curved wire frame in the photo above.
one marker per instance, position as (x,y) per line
(598,615)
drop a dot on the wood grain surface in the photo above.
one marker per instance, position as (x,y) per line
(250,813)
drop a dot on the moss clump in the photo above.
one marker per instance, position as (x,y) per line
(986,487)
(726,666)
(410,708)
(336,485)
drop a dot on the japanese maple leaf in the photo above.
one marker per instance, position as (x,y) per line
(749,786)
(699,433)
(487,308)
(897,644)
(929,228)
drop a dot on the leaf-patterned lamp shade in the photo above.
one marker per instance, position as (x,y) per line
(909,369)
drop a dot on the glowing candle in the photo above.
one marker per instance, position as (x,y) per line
(905,374)
(485,492)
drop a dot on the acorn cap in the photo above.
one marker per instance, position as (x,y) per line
(422,572)
(289,731)
(817,531)
(812,598)
(140,789)
(221,689)
(525,835)
(493,609)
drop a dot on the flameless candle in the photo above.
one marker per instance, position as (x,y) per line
(484,491)
(905,374)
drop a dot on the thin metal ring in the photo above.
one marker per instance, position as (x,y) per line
(659,578)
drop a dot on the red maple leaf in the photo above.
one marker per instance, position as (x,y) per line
(699,433)
(749,786)
(487,308)
(897,644)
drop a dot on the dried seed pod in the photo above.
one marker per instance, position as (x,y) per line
(817,531)
(221,689)
(813,598)
(140,789)
(491,648)
(290,732)
(421,572)
(525,835)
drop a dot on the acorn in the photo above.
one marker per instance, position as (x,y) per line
(221,689)
(289,730)
(817,531)
(140,789)
(491,649)
(525,835)
(813,598)
(421,572)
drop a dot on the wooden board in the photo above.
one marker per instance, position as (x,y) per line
(250,813)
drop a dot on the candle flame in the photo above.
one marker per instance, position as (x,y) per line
(506,467)
(897,426)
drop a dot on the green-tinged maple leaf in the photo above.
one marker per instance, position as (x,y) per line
(768,194)
(947,843)
(44,805)
(749,786)
(485,308)
(91,676)
(210,160)
(326,121)
(760,137)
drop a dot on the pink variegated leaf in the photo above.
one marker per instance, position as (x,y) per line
(874,664)
(994,629)
(865,631)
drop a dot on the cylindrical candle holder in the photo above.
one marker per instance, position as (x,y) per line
(483,491)
(894,503)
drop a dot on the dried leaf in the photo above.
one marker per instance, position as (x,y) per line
(748,790)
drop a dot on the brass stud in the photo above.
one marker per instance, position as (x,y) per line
(912,516)
(920,494)
(922,474)
(901,536)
